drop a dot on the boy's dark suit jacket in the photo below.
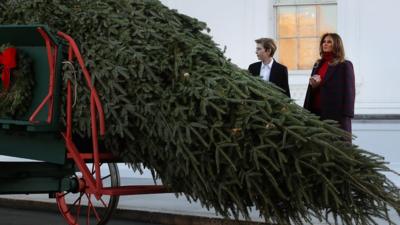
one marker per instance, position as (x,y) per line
(337,93)
(278,76)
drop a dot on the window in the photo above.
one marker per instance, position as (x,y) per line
(299,25)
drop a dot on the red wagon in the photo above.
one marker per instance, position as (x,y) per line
(84,182)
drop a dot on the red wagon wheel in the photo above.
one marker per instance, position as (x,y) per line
(83,208)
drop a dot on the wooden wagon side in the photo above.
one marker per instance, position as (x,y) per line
(76,178)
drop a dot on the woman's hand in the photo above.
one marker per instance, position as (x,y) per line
(315,80)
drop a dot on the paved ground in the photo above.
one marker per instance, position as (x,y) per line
(12,216)
(159,208)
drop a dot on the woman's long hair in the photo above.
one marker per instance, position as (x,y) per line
(337,51)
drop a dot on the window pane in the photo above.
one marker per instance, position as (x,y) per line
(285,1)
(287,21)
(278,2)
(299,28)
(327,19)
(288,53)
(314,1)
(308,52)
(306,16)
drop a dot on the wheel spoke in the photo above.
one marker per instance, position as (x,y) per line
(73,204)
(88,210)
(90,204)
(109,175)
(100,208)
(102,201)
(93,168)
(78,210)
(64,194)
(78,199)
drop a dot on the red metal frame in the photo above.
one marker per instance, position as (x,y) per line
(94,185)
(51,49)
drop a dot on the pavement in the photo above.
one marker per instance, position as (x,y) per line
(166,209)
(152,208)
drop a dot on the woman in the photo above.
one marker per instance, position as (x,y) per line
(331,89)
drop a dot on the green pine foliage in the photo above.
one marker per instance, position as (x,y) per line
(15,102)
(176,105)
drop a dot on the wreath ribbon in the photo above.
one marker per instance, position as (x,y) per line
(8,60)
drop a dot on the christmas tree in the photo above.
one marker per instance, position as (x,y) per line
(175,105)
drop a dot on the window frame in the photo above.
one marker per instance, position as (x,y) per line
(277,4)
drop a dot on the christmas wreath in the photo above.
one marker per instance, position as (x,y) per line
(16,82)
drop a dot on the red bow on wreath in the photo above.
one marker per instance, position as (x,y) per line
(8,60)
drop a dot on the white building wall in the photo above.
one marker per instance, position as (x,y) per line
(368,29)
(234,24)
(371,32)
